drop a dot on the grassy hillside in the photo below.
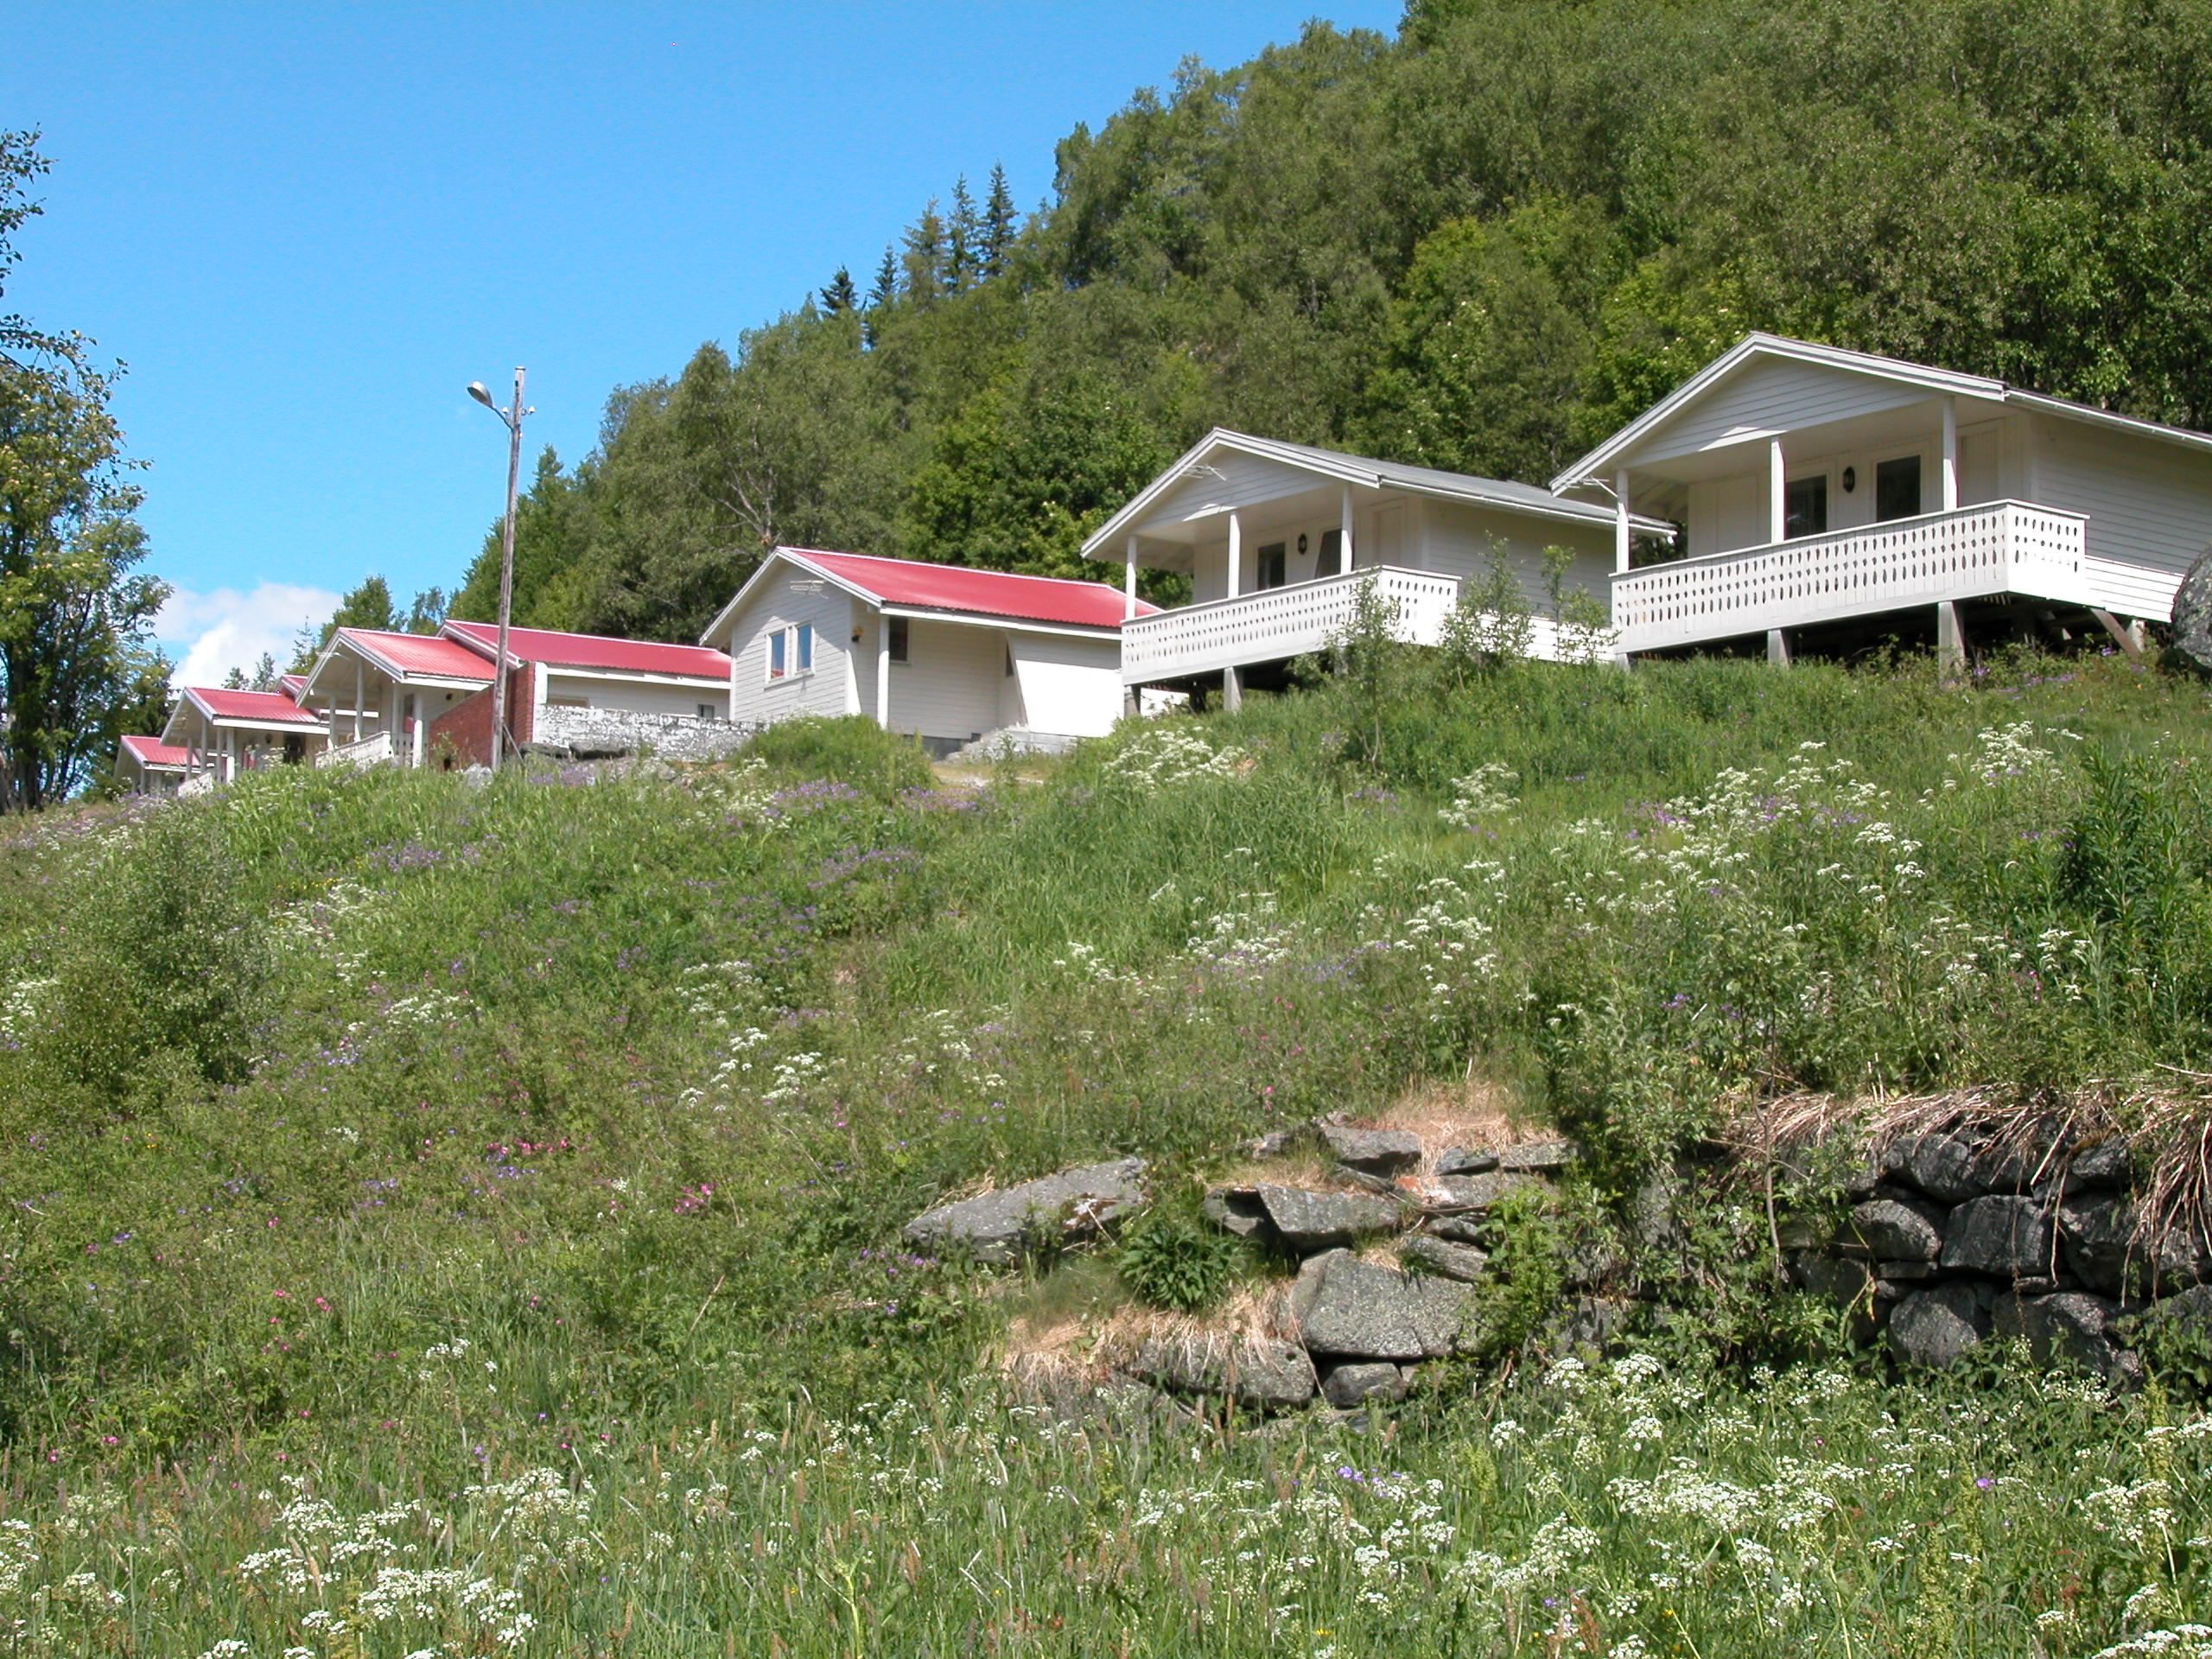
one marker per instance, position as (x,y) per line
(464,1219)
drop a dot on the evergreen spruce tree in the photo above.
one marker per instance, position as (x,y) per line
(841,296)
(924,259)
(963,251)
(998,223)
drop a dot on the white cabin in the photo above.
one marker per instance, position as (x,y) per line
(943,652)
(1833,499)
(1277,537)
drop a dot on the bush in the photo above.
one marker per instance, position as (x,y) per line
(165,963)
(852,750)
(1170,1258)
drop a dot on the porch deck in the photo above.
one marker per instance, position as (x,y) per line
(1277,623)
(2000,547)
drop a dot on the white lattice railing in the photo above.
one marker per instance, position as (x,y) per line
(2002,547)
(1279,622)
(374,750)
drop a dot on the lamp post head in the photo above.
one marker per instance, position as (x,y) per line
(476,390)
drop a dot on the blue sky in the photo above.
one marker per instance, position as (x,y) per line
(306,228)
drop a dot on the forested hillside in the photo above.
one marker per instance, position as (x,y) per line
(1479,246)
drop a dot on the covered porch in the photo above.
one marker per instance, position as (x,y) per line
(222,733)
(378,692)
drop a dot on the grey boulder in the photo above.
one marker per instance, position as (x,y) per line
(1898,1232)
(1941,1165)
(999,1226)
(1310,1221)
(2104,1250)
(1934,1327)
(1359,1310)
(2070,1328)
(1445,1259)
(1361,1381)
(1538,1157)
(1465,1161)
(1464,1192)
(1264,1372)
(2004,1237)
(2192,614)
(1235,1209)
(1373,1151)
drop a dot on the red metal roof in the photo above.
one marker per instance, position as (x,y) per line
(985,593)
(427,654)
(292,685)
(152,751)
(594,651)
(267,707)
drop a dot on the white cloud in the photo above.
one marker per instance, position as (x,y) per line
(213,633)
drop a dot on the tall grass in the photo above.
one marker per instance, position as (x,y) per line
(627,1085)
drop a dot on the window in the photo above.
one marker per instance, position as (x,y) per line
(1329,561)
(707,711)
(776,655)
(805,652)
(1805,506)
(1897,488)
(1270,571)
(898,626)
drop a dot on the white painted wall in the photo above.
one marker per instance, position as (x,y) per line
(1067,685)
(948,686)
(2149,505)
(1770,395)
(754,696)
(639,696)
(1457,539)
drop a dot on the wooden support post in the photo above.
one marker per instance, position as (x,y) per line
(1129,583)
(1235,554)
(1232,689)
(360,696)
(1620,520)
(1343,531)
(1777,494)
(1778,646)
(883,670)
(1950,641)
(1950,454)
(2128,637)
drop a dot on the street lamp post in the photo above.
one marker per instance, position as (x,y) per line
(510,418)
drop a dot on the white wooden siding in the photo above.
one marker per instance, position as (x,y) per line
(1770,396)
(633,696)
(1457,540)
(1244,481)
(2149,506)
(1067,685)
(948,684)
(1727,514)
(754,696)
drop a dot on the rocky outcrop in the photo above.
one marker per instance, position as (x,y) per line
(1347,1308)
(2192,615)
(1001,1226)
(1266,1373)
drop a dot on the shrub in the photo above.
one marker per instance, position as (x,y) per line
(852,750)
(165,963)
(1170,1258)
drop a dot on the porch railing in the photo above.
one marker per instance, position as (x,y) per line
(374,750)
(2001,547)
(1281,622)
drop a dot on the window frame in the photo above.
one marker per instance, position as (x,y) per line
(898,642)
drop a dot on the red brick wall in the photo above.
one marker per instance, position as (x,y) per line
(467,727)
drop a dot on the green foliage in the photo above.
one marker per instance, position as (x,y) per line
(166,963)
(1170,1258)
(76,659)
(848,749)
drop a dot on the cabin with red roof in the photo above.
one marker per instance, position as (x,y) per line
(943,652)
(412,698)
(146,765)
(221,732)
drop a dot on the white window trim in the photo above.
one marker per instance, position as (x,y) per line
(789,635)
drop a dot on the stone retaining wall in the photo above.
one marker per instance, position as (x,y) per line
(594,733)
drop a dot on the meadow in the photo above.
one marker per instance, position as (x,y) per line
(455,1218)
